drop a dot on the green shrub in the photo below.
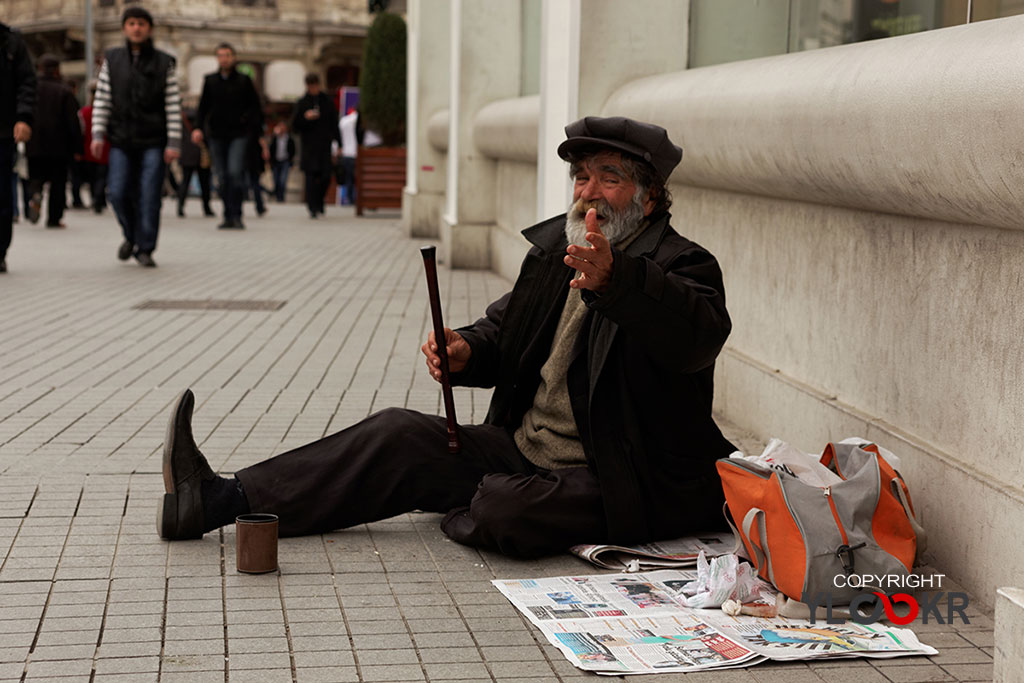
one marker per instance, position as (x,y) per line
(382,81)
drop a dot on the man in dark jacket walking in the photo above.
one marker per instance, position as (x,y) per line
(601,358)
(229,115)
(316,120)
(17,109)
(138,108)
(58,137)
(195,159)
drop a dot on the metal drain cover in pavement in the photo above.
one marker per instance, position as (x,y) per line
(210,305)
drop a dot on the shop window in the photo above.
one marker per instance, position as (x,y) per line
(731,30)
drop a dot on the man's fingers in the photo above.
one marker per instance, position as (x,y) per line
(599,241)
(590,220)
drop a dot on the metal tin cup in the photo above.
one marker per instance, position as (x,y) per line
(256,543)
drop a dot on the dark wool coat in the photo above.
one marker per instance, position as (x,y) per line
(317,133)
(57,132)
(640,383)
(17,82)
(229,107)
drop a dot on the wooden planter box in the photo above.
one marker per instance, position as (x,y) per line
(380,178)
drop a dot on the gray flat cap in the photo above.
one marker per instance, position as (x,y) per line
(644,140)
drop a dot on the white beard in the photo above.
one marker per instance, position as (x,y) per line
(619,224)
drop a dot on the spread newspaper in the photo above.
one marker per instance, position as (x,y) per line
(635,623)
(681,552)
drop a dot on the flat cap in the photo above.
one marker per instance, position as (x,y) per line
(644,140)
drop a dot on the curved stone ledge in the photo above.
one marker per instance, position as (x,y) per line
(437,130)
(923,125)
(507,129)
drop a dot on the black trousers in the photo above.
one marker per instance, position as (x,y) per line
(52,170)
(8,195)
(204,186)
(397,461)
(316,187)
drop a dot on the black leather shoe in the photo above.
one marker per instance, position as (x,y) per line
(124,252)
(35,205)
(180,514)
(3,266)
(145,259)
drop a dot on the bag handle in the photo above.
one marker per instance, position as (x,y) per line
(922,536)
(738,548)
(762,556)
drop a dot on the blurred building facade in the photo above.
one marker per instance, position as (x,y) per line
(277,41)
(856,167)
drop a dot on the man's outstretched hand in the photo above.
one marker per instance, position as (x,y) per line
(593,262)
(458,353)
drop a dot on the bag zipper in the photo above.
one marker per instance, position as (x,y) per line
(845,551)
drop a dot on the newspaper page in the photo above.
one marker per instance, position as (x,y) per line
(636,623)
(678,553)
(787,639)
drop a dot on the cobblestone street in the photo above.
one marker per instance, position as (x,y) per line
(319,324)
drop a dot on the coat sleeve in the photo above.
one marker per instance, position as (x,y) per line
(335,129)
(299,121)
(676,313)
(25,91)
(172,107)
(73,123)
(203,112)
(256,126)
(482,337)
(101,103)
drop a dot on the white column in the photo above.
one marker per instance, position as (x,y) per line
(451,202)
(486,43)
(411,97)
(559,100)
(428,93)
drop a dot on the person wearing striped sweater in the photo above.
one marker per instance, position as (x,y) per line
(137,110)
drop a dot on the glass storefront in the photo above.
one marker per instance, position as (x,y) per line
(731,30)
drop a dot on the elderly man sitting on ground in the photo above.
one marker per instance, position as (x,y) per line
(601,359)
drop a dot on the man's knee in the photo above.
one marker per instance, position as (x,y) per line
(504,516)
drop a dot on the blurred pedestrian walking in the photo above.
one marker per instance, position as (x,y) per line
(17,114)
(94,166)
(195,159)
(257,164)
(350,134)
(138,107)
(316,120)
(282,154)
(76,169)
(229,114)
(58,137)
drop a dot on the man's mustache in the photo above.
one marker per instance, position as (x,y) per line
(581,206)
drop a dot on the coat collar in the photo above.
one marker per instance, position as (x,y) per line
(146,48)
(549,235)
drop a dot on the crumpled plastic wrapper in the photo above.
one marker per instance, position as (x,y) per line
(727,580)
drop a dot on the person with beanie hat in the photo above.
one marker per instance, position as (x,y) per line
(137,109)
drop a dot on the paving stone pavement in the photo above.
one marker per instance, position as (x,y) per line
(87,590)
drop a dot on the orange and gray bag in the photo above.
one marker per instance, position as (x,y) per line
(801,537)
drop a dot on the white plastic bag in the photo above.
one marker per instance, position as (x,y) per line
(779,455)
(724,578)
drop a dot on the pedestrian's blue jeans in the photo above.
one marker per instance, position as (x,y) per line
(135,178)
(228,156)
(280,170)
